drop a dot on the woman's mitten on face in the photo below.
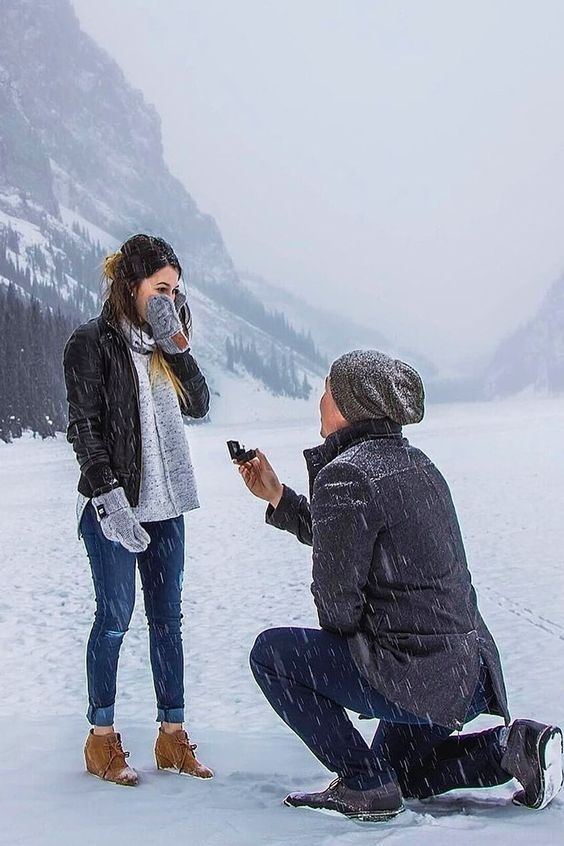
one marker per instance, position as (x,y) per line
(118,522)
(165,322)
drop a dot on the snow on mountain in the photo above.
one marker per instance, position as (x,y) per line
(531,360)
(82,168)
(71,217)
(333,332)
(238,396)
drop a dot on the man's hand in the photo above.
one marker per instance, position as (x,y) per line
(261,479)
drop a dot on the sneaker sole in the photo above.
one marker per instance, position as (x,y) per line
(550,749)
(360,818)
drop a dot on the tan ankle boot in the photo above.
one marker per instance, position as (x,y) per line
(105,758)
(175,752)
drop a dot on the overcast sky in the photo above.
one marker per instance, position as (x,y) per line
(402,162)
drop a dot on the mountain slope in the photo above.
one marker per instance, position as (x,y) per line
(532,358)
(82,168)
(102,140)
(334,333)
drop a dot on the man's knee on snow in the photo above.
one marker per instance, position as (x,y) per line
(259,651)
(264,648)
(270,649)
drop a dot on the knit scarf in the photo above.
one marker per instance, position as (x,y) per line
(139,338)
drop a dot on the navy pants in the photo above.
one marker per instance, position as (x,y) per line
(161,568)
(309,678)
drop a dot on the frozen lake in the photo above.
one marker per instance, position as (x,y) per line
(505,464)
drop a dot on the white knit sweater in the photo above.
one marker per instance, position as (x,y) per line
(168,483)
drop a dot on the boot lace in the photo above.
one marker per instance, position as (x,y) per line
(116,751)
(187,752)
(184,740)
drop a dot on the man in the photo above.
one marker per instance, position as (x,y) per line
(401,636)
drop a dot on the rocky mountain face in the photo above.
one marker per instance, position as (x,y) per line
(532,358)
(82,168)
(101,139)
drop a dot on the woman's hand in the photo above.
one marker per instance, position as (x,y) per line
(166,324)
(118,522)
(260,478)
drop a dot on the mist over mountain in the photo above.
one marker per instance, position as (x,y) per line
(335,332)
(532,358)
(82,169)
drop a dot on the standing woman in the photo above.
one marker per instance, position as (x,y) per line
(130,379)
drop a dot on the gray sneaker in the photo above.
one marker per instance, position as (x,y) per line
(375,805)
(533,756)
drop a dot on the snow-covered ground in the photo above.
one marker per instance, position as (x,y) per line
(505,463)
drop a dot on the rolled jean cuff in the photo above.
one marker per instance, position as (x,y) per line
(100,716)
(170,715)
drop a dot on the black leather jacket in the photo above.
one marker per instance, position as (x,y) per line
(103,400)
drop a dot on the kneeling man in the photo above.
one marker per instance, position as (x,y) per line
(401,636)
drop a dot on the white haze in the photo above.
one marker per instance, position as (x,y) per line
(402,162)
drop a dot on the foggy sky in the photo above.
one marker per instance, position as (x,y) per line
(401,162)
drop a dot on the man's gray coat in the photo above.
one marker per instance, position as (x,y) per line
(390,571)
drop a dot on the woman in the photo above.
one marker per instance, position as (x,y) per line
(130,378)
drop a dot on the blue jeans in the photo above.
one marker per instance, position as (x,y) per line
(309,678)
(161,568)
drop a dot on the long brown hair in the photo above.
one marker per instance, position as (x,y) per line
(122,273)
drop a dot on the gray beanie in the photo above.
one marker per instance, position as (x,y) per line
(368,383)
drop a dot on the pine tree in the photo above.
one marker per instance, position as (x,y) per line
(32,389)
(230,354)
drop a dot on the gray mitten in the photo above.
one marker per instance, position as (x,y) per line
(118,521)
(165,322)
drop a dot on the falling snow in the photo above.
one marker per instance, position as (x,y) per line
(505,469)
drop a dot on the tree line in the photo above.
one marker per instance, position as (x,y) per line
(276,371)
(41,304)
(50,271)
(244,303)
(32,388)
